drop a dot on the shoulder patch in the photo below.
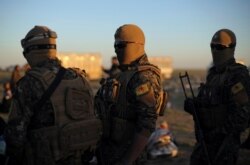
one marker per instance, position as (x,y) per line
(237,88)
(142,89)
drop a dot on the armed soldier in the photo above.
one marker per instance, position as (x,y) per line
(222,104)
(52,119)
(128,103)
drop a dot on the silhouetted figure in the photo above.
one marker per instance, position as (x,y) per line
(52,120)
(128,104)
(15,77)
(222,105)
(7,98)
(114,69)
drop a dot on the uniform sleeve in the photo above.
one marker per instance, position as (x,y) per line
(20,114)
(145,89)
(239,115)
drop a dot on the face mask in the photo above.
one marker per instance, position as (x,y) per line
(222,56)
(129,43)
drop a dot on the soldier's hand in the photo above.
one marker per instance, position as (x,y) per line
(189,105)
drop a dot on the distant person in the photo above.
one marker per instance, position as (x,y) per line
(114,69)
(222,104)
(7,98)
(15,77)
(52,121)
(128,105)
(26,68)
(162,142)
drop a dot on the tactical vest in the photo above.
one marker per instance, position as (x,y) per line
(113,106)
(76,127)
(214,98)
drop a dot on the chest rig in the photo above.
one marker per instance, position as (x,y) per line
(114,109)
(76,127)
(214,98)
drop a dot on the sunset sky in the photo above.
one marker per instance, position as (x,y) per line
(181,29)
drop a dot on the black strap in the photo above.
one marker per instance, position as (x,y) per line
(39,47)
(51,88)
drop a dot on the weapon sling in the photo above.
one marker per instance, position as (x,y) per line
(51,88)
(201,136)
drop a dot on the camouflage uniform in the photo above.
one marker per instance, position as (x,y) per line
(128,112)
(222,118)
(24,119)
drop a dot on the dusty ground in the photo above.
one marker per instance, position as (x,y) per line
(182,126)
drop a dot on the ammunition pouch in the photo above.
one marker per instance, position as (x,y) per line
(106,97)
(52,144)
(110,90)
(78,105)
(80,136)
(212,117)
(122,130)
(43,147)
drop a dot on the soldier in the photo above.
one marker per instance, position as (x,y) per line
(114,69)
(128,104)
(52,119)
(15,77)
(222,104)
(7,97)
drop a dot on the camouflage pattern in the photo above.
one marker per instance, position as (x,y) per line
(223,117)
(23,118)
(140,111)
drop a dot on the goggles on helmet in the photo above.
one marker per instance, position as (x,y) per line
(49,34)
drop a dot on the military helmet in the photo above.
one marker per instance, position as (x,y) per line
(222,46)
(39,44)
(40,37)
(129,43)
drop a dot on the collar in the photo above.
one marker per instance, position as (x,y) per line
(133,65)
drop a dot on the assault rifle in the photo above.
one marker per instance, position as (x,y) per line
(196,119)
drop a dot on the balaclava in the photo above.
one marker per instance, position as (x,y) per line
(222,46)
(129,43)
(39,45)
